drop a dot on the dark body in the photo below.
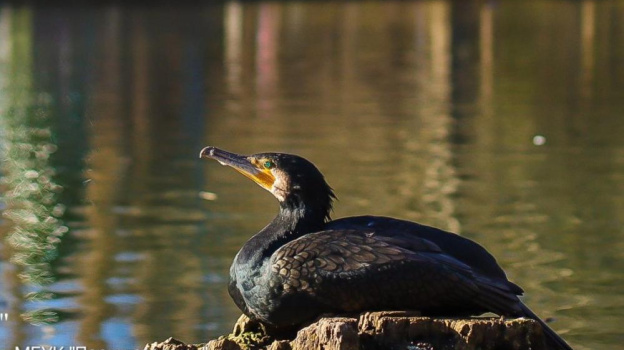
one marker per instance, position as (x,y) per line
(303,265)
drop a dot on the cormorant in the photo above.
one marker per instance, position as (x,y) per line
(302,264)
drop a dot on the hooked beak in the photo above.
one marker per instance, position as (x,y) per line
(247,166)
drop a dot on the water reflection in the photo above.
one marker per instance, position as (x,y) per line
(420,110)
(31,191)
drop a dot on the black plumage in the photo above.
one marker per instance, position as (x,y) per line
(302,264)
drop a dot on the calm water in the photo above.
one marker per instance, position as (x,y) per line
(502,121)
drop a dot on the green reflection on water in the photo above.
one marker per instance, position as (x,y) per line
(30,192)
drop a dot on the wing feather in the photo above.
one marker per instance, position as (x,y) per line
(355,270)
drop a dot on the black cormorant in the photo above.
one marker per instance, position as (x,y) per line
(303,264)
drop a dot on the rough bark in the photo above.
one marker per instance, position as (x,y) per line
(379,330)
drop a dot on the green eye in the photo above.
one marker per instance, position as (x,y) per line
(268,164)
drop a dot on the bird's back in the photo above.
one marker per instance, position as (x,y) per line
(456,246)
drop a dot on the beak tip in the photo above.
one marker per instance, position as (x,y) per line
(207,152)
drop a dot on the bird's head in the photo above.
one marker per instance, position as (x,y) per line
(294,181)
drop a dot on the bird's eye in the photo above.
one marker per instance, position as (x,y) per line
(268,164)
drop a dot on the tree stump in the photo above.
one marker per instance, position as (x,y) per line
(379,330)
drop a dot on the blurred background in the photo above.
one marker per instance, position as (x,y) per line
(499,120)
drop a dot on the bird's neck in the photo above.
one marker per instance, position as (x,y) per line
(288,225)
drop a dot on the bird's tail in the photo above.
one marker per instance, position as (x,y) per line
(553,340)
